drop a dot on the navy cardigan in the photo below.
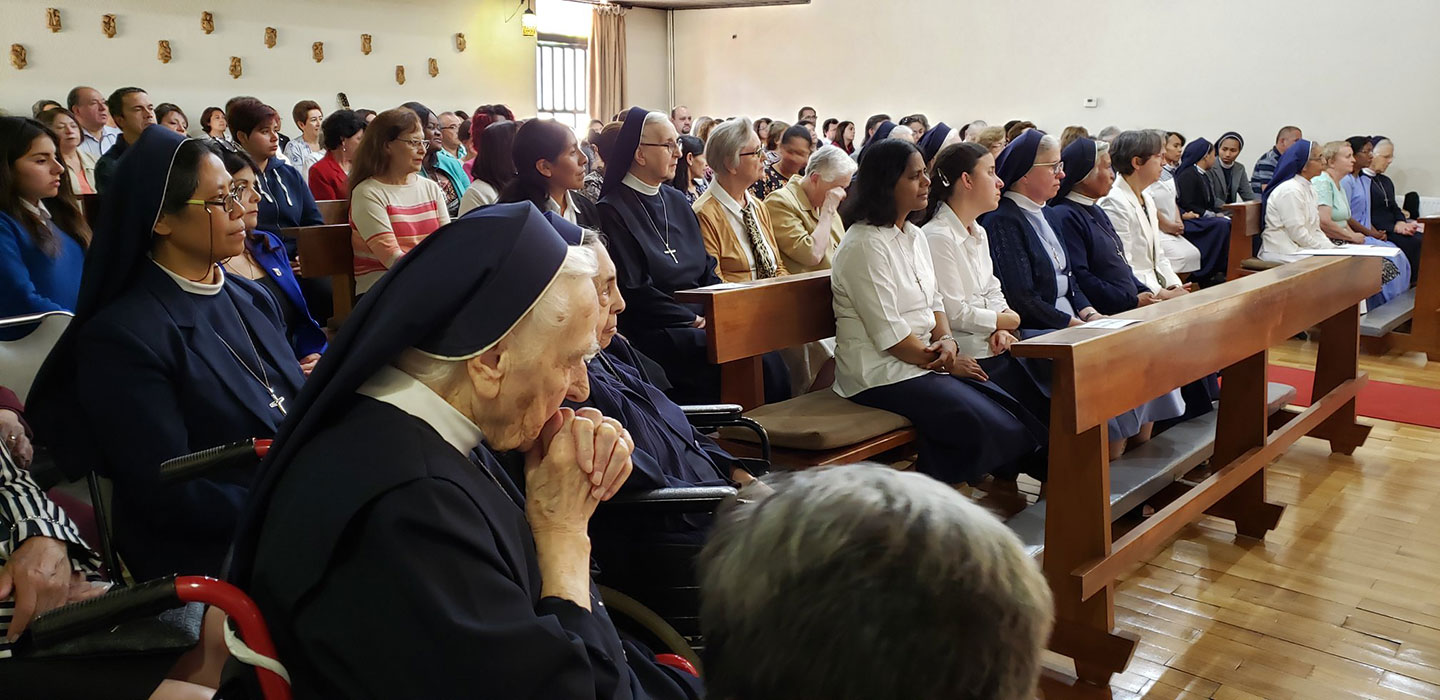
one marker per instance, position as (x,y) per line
(1096,256)
(1026,274)
(307,337)
(285,201)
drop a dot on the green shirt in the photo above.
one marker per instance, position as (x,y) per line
(1328,193)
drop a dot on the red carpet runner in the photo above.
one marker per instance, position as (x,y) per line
(1382,400)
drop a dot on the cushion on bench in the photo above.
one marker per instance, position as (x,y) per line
(1257,264)
(819,420)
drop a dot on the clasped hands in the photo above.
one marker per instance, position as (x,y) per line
(949,361)
(581,459)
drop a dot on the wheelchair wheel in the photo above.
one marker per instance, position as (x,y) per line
(642,623)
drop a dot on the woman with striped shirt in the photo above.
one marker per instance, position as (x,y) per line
(392,208)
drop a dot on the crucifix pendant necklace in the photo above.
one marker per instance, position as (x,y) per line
(663,233)
(276,401)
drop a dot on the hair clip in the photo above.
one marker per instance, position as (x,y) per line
(944,181)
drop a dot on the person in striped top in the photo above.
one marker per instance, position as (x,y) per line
(392,208)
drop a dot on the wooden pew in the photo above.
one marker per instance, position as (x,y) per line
(325,251)
(742,323)
(1227,328)
(334,211)
(1245,227)
(1383,329)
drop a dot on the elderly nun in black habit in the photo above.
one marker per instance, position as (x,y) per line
(382,492)
(655,240)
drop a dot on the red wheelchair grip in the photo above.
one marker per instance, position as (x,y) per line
(676,661)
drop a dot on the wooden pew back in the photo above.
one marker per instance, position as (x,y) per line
(751,320)
(325,251)
(1099,373)
(334,211)
(1197,334)
(1245,225)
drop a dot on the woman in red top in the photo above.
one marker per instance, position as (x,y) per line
(340,135)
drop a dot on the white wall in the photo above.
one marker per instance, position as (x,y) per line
(647,73)
(1151,64)
(497,66)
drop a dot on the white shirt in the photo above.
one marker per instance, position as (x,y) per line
(966,279)
(737,222)
(883,288)
(480,193)
(302,156)
(639,185)
(408,394)
(204,289)
(1292,222)
(98,147)
(568,214)
(1139,227)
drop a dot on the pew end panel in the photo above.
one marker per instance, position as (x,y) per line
(1227,328)
(325,251)
(1419,305)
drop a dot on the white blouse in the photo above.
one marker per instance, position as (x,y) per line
(1139,227)
(480,193)
(1292,222)
(884,289)
(966,277)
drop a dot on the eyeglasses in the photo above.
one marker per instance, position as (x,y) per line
(672,146)
(233,196)
(747,154)
(452,127)
(1055,166)
(417,144)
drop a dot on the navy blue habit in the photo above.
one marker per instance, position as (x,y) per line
(1097,255)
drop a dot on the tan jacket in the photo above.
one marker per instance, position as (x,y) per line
(793,222)
(720,240)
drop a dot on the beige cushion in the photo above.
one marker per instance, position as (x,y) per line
(1258,264)
(819,420)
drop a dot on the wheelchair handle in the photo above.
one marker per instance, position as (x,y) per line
(246,453)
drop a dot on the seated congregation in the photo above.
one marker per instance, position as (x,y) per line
(521,360)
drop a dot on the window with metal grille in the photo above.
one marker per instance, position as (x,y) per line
(562,81)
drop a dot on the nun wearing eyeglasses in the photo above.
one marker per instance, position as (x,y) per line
(1030,258)
(167,355)
(430,467)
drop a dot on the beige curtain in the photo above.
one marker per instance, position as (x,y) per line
(607,62)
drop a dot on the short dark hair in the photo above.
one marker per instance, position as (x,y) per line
(340,125)
(421,111)
(365,113)
(825,125)
(796,132)
(874,121)
(915,119)
(165,108)
(247,114)
(1358,143)
(800,115)
(1177,135)
(116,102)
(1129,145)
(205,118)
(72,98)
(495,164)
(872,197)
(1285,130)
(301,110)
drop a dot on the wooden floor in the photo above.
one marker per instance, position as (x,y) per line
(1342,600)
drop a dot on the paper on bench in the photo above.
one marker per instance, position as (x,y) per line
(1355,250)
(723,286)
(1108,323)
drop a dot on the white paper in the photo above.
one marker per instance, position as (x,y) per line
(1108,323)
(1355,250)
(723,286)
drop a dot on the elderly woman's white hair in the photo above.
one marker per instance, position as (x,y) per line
(902,133)
(864,582)
(831,164)
(722,149)
(549,312)
(973,129)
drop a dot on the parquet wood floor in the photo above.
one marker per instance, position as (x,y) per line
(1342,600)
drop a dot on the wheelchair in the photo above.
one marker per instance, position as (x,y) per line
(652,593)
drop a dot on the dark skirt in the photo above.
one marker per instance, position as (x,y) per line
(967,428)
(1211,234)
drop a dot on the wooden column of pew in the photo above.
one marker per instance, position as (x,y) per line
(1101,373)
(1383,329)
(325,251)
(1245,227)
(742,323)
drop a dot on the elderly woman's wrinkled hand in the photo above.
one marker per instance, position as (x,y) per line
(557,490)
(603,447)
